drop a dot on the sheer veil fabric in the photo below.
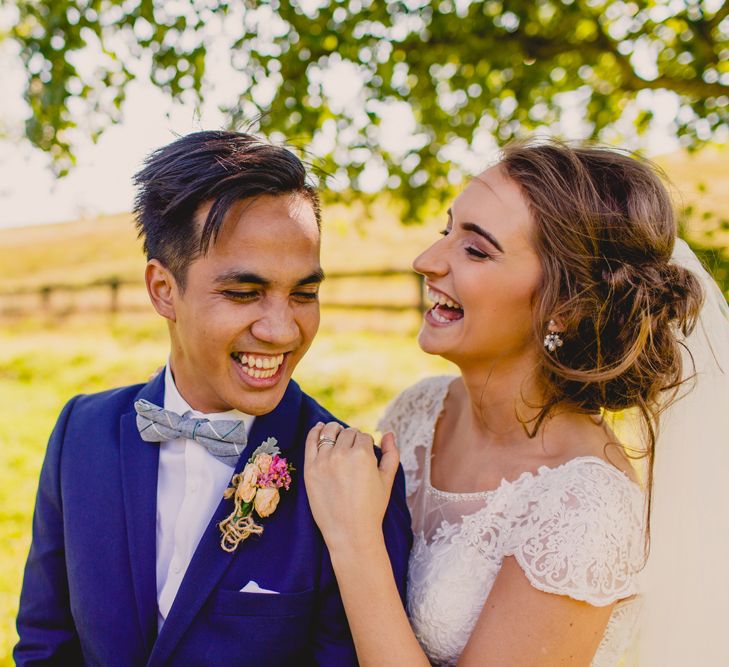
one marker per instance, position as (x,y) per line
(686,580)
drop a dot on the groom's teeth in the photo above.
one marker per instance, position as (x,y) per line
(259,366)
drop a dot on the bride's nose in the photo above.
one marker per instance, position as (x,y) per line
(432,262)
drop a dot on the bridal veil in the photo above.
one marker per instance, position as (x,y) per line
(686,580)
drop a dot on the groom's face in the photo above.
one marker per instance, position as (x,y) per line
(249,310)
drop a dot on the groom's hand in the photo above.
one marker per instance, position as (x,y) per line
(348,491)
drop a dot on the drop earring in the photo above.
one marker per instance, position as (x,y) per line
(553,339)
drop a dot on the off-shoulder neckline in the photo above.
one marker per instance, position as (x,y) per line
(504,483)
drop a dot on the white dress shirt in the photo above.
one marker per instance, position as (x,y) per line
(190,485)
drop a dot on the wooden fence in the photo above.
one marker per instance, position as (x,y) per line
(42,297)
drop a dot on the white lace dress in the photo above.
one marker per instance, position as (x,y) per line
(575,530)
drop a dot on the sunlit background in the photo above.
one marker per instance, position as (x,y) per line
(394,104)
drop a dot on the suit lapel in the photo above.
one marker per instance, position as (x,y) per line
(139,462)
(209,561)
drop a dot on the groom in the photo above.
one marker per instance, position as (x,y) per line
(127,565)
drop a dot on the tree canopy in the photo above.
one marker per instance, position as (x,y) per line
(461,69)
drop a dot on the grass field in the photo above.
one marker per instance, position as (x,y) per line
(357,363)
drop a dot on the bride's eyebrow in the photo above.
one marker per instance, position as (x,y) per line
(477,229)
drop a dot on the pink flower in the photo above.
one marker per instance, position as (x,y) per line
(277,476)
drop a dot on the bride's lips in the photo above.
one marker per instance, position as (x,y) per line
(260,371)
(445,311)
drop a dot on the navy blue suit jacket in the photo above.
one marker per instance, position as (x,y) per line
(89,594)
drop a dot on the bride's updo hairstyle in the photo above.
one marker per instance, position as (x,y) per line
(604,231)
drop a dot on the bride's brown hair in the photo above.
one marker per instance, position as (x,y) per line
(605,228)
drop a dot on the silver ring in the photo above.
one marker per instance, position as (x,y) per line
(325,441)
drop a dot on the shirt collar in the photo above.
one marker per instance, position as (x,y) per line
(175,402)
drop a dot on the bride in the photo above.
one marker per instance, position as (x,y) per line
(556,295)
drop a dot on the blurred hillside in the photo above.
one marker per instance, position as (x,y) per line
(700,189)
(354,239)
(87,250)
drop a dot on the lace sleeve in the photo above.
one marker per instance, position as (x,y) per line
(581,533)
(411,416)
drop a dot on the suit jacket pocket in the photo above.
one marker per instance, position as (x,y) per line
(235,603)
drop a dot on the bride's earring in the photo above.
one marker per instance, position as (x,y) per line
(553,339)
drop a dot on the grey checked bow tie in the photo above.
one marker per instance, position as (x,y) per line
(224,439)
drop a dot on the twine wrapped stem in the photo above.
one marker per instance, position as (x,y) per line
(239,524)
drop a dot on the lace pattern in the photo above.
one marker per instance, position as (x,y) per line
(424,400)
(575,530)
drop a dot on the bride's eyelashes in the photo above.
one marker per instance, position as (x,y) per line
(473,251)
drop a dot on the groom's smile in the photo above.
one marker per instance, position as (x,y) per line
(249,308)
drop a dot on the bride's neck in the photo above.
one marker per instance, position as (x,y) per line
(497,401)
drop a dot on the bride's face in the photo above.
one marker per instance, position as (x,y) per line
(482,276)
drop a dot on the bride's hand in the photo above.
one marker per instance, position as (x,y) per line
(348,491)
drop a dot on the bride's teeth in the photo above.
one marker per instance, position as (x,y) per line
(438,317)
(441,300)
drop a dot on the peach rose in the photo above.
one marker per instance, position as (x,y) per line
(266,501)
(263,461)
(247,486)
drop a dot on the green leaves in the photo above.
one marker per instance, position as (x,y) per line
(245,510)
(467,70)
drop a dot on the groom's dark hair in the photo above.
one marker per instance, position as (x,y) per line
(212,166)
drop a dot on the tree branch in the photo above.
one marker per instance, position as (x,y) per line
(720,15)
(695,87)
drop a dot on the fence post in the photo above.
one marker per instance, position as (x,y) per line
(421,292)
(114,286)
(45,295)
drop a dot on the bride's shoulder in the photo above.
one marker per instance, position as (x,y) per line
(585,518)
(589,484)
(418,403)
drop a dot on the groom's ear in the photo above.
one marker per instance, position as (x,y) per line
(161,287)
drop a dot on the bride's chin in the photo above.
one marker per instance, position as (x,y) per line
(430,346)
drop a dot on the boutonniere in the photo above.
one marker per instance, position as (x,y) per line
(257,489)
